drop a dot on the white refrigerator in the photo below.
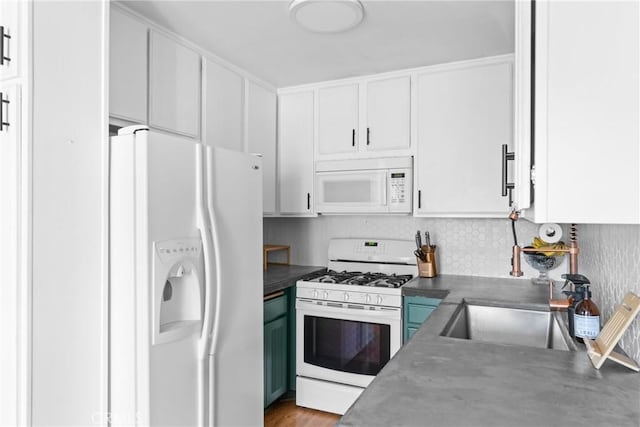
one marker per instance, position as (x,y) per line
(186,342)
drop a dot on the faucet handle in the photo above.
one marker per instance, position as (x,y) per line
(576,279)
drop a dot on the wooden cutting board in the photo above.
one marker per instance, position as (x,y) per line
(602,348)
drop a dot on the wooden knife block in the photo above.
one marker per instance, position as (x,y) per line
(428,268)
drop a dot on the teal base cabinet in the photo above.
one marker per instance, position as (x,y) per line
(276,348)
(292,337)
(415,310)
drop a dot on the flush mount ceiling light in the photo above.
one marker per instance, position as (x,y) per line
(326,16)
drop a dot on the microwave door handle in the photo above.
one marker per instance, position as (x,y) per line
(385,190)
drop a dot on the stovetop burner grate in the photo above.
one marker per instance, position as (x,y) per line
(358,278)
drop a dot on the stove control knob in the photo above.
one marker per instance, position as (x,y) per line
(326,295)
(315,293)
(346,296)
(379,299)
(367,298)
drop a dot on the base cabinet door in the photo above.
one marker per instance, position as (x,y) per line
(416,310)
(275,359)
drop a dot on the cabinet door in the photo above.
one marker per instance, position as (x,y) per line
(292,337)
(295,152)
(224,107)
(416,310)
(261,138)
(275,359)
(127,67)
(10,219)
(587,112)
(338,119)
(388,106)
(464,117)
(174,86)
(9,39)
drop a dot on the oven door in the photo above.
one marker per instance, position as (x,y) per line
(344,344)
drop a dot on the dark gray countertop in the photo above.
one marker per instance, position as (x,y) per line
(443,381)
(278,277)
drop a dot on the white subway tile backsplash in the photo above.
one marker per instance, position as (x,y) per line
(477,247)
(610,258)
(610,254)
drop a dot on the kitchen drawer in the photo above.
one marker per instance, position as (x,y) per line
(434,302)
(275,307)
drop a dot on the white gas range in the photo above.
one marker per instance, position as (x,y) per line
(349,320)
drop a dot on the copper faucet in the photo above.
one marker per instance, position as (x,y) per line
(572,250)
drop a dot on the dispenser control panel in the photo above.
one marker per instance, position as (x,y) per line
(170,250)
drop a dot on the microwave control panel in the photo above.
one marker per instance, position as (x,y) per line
(399,187)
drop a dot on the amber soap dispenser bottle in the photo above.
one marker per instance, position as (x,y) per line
(586,320)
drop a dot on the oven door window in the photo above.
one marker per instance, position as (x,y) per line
(346,345)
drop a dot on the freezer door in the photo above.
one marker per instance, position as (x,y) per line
(156,280)
(234,201)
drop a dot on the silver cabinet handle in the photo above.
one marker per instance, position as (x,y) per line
(507,187)
(2,37)
(353,137)
(3,123)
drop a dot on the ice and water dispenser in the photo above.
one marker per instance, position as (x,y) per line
(177,289)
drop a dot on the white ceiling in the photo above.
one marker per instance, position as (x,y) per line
(259,37)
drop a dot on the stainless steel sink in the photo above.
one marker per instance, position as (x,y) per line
(508,325)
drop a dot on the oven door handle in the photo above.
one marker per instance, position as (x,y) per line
(311,308)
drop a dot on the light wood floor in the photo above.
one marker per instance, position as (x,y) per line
(285,413)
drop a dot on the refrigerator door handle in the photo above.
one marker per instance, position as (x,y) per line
(204,345)
(218,283)
(204,389)
(213,229)
(204,227)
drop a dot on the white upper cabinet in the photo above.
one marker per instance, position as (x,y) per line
(261,138)
(464,115)
(364,118)
(586,118)
(337,119)
(127,68)
(174,86)
(224,107)
(9,39)
(387,114)
(295,152)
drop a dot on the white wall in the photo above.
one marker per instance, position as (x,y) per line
(610,255)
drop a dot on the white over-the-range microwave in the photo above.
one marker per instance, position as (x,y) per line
(360,186)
